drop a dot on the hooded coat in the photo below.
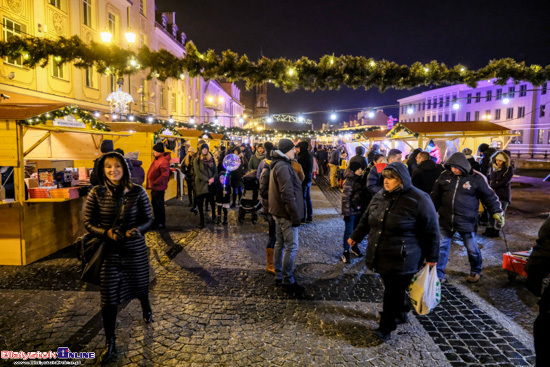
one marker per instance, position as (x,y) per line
(500,179)
(125,270)
(203,173)
(359,157)
(374,150)
(285,189)
(374,179)
(137,172)
(402,228)
(411,161)
(485,164)
(425,175)
(456,198)
(306,161)
(159,173)
(352,184)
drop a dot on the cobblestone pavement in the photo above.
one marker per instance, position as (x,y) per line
(214,304)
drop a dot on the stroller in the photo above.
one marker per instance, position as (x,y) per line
(249,205)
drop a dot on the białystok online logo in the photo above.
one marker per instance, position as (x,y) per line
(62,353)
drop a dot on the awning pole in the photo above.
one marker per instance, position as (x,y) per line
(46,136)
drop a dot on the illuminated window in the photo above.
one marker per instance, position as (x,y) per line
(540,138)
(174,103)
(142,6)
(90,78)
(87,12)
(56,3)
(57,69)
(12,29)
(517,139)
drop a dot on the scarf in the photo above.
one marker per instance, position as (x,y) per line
(207,160)
(260,156)
(116,190)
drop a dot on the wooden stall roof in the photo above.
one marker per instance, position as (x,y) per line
(22,111)
(375,134)
(133,126)
(448,130)
(192,133)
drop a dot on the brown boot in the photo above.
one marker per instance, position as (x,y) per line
(269,255)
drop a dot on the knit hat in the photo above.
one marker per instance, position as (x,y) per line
(467,152)
(500,157)
(132,155)
(159,147)
(119,151)
(268,145)
(354,166)
(107,146)
(483,147)
(204,145)
(200,143)
(395,152)
(285,145)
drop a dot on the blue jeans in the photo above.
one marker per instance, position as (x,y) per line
(308,207)
(286,247)
(348,230)
(474,254)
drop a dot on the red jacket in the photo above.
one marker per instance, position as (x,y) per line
(159,173)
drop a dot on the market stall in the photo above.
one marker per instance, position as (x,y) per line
(39,221)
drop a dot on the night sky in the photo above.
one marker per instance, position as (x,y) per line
(467,32)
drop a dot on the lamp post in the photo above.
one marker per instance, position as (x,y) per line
(130,39)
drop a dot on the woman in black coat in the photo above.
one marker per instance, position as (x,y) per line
(119,212)
(500,180)
(403,230)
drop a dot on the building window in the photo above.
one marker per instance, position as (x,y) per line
(522,90)
(511,91)
(478,97)
(497,114)
(544,87)
(111,24)
(422,119)
(87,12)
(90,76)
(521,112)
(499,94)
(162,98)
(509,113)
(56,3)
(423,106)
(542,110)
(488,114)
(174,103)
(476,116)
(57,69)
(446,117)
(517,139)
(12,29)
(419,106)
(440,102)
(489,96)
(142,6)
(429,104)
(142,41)
(468,116)
(540,138)
(402,109)
(447,101)
(439,118)
(453,117)
(469,98)
(112,83)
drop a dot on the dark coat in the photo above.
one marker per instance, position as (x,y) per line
(237,180)
(374,150)
(335,157)
(285,190)
(306,161)
(374,179)
(352,185)
(473,164)
(203,174)
(322,155)
(411,162)
(457,197)
(500,179)
(485,164)
(538,266)
(159,173)
(264,184)
(223,196)
(402,228)
(136,172)
(254,162)
(359,157)
(125,271)
(425,175)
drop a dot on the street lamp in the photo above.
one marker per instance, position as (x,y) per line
(106,36)
(130,36)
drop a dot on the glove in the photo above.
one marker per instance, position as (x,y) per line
(347,218)
(499,219)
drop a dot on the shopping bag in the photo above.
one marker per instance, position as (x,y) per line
(425,290)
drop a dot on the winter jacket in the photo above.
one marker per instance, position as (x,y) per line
(374,150)
(306,161)
(411,161)
(335,157)
(203,174)
(352,185)
(285,190)
(359,157)
(254,162)
(457,197)
(159,173)
(425,175)
(137,173)
(402,228)
(236,176)
(500,178)
(264,184)
(485,164)
(473,163)
(374,179)
(223,194)
(322,155)
(538,265)
(131,280)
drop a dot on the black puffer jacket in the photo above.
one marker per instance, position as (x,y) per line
(125,271)
(352,184)
(500,178)
(264,185)
(485,164)
(402,226)
(456,198)
(285,189)
(306,161)
(425,175)
(538,265)
(411,161)
(359,157)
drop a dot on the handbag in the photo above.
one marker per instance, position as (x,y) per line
(90,250)
(425,290)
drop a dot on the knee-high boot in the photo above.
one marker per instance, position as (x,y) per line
(109,320)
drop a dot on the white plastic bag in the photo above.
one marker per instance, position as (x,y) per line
(425,290)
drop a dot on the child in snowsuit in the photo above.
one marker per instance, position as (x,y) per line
(223,196)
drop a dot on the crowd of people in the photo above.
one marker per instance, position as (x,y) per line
(408,208)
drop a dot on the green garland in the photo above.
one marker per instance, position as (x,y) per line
(84,115)
(329,72)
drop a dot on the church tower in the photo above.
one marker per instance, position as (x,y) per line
(261,108)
